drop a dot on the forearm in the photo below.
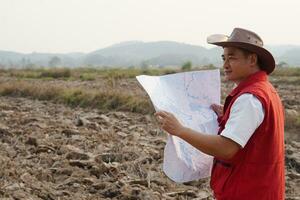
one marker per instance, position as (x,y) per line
(214,145)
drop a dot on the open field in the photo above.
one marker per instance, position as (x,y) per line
(90,134)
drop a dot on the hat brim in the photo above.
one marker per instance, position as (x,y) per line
(266,59)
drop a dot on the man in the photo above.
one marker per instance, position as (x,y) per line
(249,148)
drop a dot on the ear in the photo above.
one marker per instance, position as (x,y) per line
(253,59)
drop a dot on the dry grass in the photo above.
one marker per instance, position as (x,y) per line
(111,97)
(286,71)
(105,99)
(292,120)
(291,80)
(83,73)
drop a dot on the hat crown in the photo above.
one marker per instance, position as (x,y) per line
(245,36)
(247,40)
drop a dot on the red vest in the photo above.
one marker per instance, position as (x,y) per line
(256,172)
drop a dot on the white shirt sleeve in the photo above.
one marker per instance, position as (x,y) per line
(246,115)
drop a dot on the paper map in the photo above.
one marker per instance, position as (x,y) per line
(188,96)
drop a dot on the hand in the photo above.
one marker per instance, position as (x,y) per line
(169,123)
(218,109)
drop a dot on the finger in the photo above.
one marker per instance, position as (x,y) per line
(213,106)
(164,127)
(161,114)
(216,108)
(158,117)
(162,120)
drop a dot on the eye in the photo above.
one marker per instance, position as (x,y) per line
(231,58)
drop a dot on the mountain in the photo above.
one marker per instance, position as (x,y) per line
(152,53)
(138,53)
(13,59)
(289,54)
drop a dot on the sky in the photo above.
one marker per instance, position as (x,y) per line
(63,26)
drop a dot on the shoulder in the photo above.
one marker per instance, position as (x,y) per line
(247,99)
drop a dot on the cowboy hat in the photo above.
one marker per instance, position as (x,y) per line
(248,40)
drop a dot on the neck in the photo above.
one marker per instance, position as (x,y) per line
(255,70)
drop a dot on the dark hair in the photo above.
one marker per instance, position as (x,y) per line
(246,53)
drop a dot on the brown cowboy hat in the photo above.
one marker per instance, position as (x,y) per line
(247,40)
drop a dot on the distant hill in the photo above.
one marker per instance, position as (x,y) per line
(151,53)
(137,53)
(13,59)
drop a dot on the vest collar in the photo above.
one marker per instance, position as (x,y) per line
(257,76)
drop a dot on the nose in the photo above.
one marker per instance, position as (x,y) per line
(225,64)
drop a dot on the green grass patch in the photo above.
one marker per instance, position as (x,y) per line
(56,73)
(87,77)
(41,73)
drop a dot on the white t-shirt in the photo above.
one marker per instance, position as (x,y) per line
(246,115)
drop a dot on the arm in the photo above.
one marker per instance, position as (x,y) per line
(214,145)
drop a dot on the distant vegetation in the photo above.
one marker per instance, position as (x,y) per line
(92,73)
(186,66)
(158,54)
(84,73)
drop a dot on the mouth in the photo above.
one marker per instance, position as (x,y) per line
(227,72)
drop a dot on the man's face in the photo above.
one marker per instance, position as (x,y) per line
(237,66)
